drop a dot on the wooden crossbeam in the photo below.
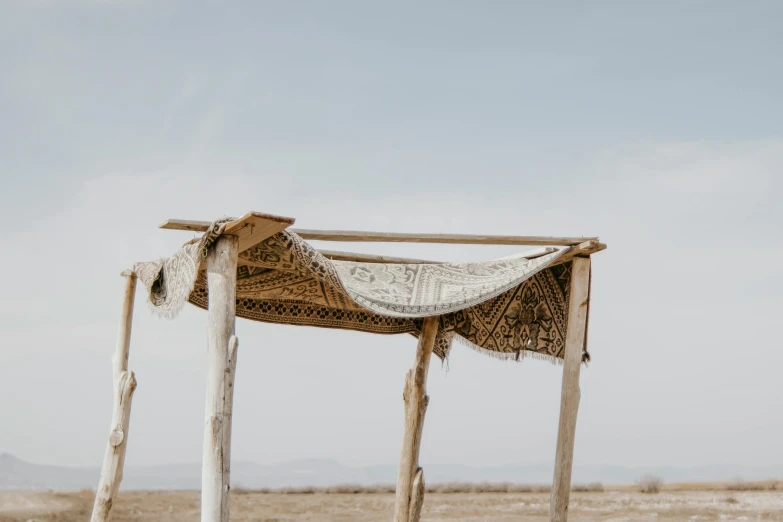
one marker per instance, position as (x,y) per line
(396,237)
(335,255)
(251,229)
(460,239)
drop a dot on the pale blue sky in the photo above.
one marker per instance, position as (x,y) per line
(657,127)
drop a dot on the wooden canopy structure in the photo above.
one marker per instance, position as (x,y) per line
(260,268)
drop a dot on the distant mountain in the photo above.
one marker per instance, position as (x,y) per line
(18,474)
(21,475)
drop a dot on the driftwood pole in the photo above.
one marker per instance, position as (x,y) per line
(408,502)
(221,362)
(124,383)
(570,394)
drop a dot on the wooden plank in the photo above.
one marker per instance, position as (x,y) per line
(251,229)
(215,473)
(416,401)
(335,255)
(394,237)
(185,224)
(254,227)
(570,393)
(203,226)
(373,258)
(461,239)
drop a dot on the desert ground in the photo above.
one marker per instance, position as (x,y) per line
(616,505)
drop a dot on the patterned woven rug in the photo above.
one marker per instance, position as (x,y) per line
(509,308)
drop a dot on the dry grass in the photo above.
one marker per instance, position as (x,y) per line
(593,487)
(486,487)
(759,485)
(443,488)
(650,484)
(613,504)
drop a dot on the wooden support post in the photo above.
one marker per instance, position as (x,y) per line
(416,399)
(122,347)
(221,362)
(570,394)
(124,383)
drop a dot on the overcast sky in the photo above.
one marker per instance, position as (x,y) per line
(656,126)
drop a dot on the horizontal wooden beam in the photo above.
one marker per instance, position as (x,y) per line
(396,237)
(335,255)
(460,239)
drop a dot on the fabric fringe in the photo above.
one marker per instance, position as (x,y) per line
(170,314)
(173,311)
(503,356)
(167,313)
(194,251)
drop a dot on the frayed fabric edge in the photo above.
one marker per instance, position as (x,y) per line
(175,307)
(503,356)
(195,251)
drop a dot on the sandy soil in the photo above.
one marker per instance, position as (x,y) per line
(612,506)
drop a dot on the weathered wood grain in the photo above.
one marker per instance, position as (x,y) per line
(416,401)
(114,457)
(122,346)
(254,227)
(398,237)
(124,384)
(215,475)
(570,393)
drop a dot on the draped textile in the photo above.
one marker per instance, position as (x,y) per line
(509,308)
